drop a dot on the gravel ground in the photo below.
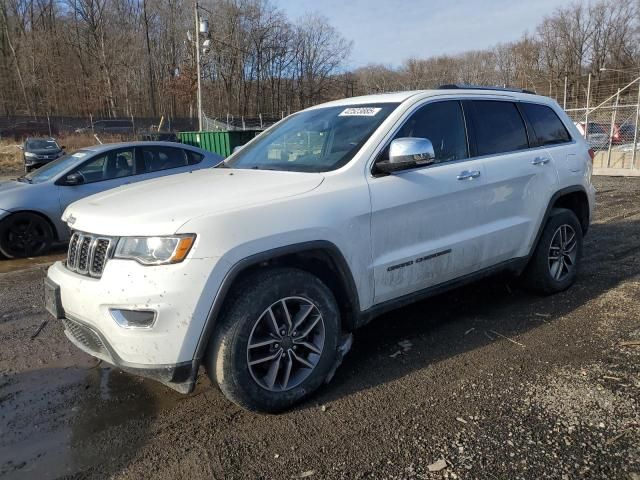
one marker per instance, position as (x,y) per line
(487,382)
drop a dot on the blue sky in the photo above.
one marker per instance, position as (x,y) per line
(390,31)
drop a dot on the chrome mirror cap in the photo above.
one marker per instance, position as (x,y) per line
(411,150)
(407,152)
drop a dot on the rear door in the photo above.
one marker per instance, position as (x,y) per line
(425,222)
(520,178)
(159,160)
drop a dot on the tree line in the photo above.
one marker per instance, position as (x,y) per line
(115,58)
(121,58)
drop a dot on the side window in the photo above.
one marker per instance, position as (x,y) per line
(163,158)
(499,127)
(111,165)
(548,128)
(194,157)
(443,124)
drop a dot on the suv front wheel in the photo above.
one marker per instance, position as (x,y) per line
(554,264)
(276,341)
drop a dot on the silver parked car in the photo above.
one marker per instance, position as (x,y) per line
(31,205)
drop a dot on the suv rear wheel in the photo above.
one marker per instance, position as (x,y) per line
(276,341)
(554,264)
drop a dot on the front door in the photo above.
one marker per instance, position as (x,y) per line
(425,222)
(102,172)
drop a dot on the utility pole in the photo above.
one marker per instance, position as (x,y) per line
(197,34)
(635,133)
(564,101)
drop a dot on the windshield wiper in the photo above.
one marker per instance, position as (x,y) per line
(24,179)
(223,164)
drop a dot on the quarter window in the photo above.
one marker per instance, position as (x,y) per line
(194,157)
(499,127)
(443,124)
(548,128)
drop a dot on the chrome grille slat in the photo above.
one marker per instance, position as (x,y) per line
(88,254)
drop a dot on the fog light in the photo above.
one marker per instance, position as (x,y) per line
(133,318)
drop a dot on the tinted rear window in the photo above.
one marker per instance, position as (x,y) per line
(548,128)
(499,127)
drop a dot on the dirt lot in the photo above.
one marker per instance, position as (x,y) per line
(496,382)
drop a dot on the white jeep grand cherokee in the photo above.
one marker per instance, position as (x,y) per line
(260,269)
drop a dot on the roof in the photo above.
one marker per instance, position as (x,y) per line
(109,146)
(399,97)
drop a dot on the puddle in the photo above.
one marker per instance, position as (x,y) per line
(7,266)
(62,421)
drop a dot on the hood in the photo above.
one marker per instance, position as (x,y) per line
(11,186)
(161,206)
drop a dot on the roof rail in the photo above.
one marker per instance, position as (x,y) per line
(462,86)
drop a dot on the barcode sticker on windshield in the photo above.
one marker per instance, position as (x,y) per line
(359,112)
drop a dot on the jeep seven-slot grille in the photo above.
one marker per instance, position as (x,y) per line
(88,254)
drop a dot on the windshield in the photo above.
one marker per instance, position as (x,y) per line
(41,145)
(52,169)
(316,140)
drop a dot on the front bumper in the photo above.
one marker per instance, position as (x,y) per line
(180,377)
(166,350)
(37,162)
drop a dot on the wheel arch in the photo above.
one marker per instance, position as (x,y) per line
(320,258)
(573,198)
(44,216)
(576,200)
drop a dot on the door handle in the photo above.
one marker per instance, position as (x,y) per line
(468,174)
(539,161)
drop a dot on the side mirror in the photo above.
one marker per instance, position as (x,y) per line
(20,147)
(74,179)
(62,147)
(237,149)
(408,152)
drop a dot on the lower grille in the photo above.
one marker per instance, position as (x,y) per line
(85,336)
(88,254)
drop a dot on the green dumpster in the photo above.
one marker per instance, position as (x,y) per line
(221,143)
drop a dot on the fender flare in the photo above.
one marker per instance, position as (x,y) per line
(341,265)
(554,198)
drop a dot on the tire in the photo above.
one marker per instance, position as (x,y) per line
(546,275)
(245,319)
(25,235)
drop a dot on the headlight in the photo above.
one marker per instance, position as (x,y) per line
(155,250)
(30,154)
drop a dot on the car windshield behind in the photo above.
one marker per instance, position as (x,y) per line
(316,140)
(41,144)
(52,169)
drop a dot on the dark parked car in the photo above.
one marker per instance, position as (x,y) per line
(20,130)
(38,151)
(114,127)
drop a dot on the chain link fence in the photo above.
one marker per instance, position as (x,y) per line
(230,123)
(612,129)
